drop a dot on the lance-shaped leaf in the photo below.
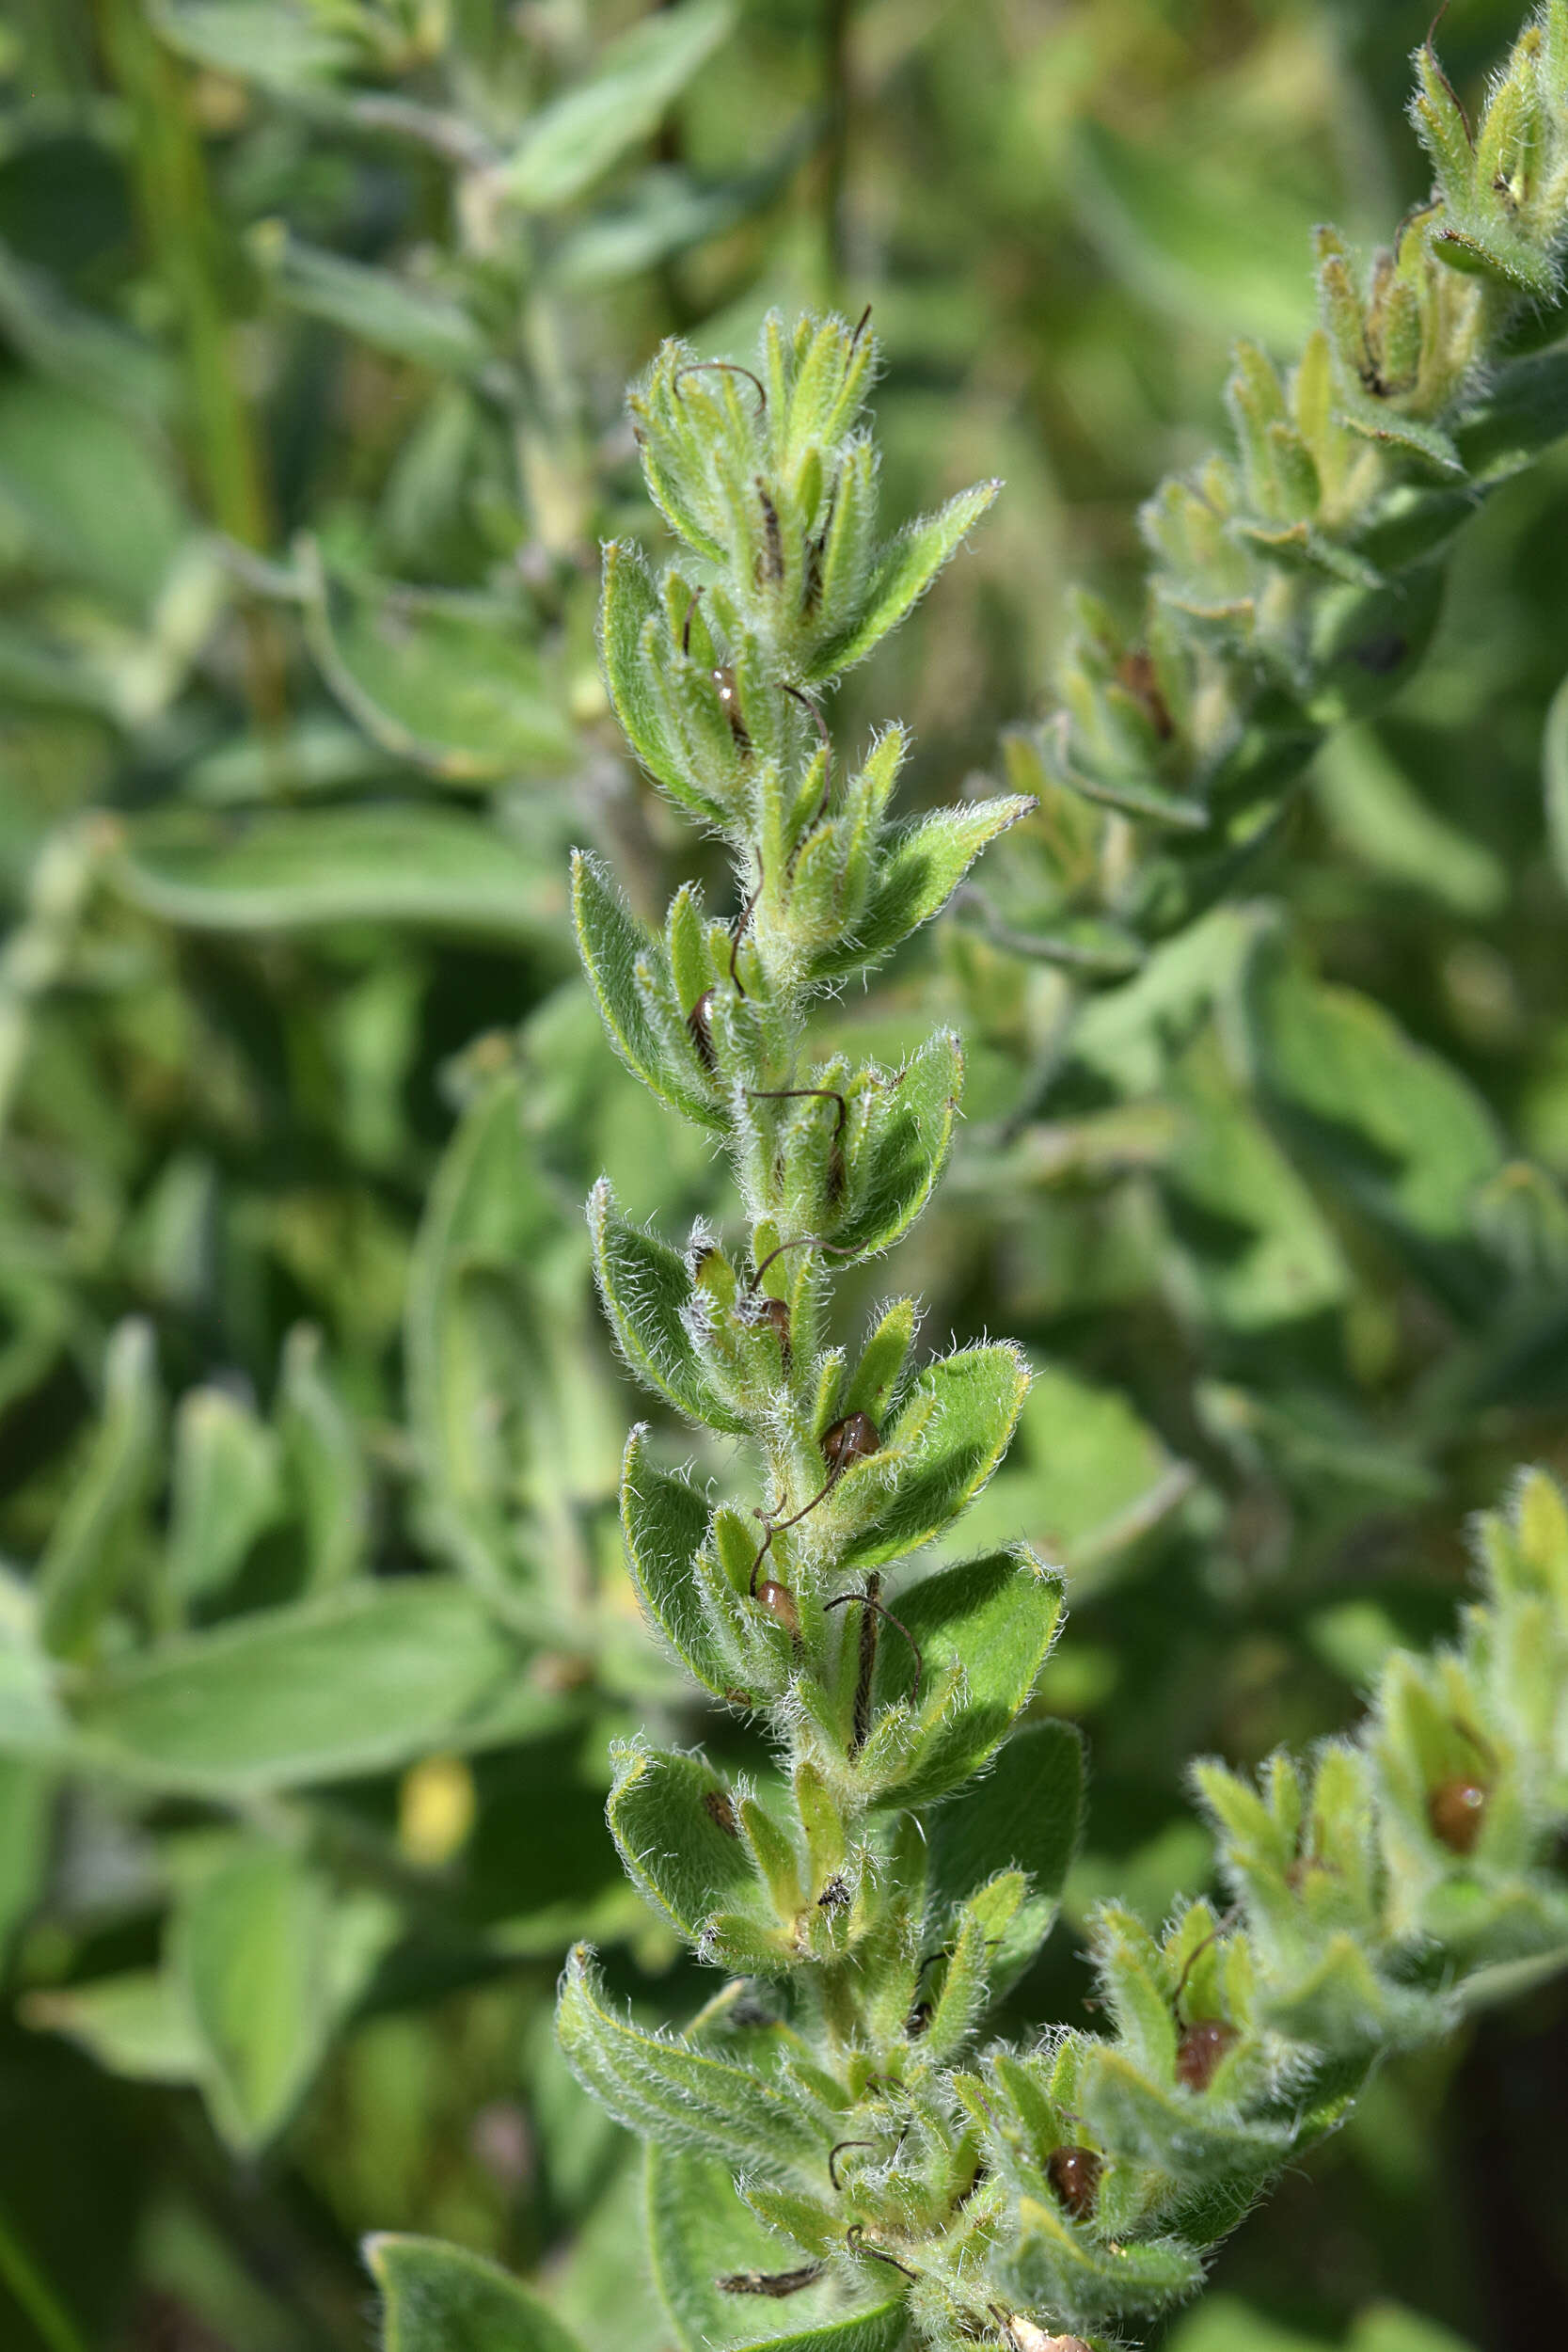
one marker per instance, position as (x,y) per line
(898,1140)
(1054,2263)
(437,2297)
(950,1433)
(916,873)
(701,2234)
(665,1522)
(675,1825)
(612,943)
(903,571)
(635,645)
(323,1464)
(90,1549)
(647,1294)
(576,138)
(270,1961)
(668,2091)
(226,1488)
(983,1630)
(1189,2139)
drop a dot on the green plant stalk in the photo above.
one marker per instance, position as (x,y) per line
(176,211)
(1296,580)
(35,2295)
(870,1902)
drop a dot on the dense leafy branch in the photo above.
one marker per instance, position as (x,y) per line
(1294,582)
(831,2131)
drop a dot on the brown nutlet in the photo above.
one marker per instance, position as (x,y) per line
(701,1028)
(720,1812)
(780,1605)
(775,1313)
(1456,1812)
(1201,2048)
(851,1440)
(1074,2174)
(724,687)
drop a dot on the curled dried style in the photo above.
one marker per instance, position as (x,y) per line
(834,2124)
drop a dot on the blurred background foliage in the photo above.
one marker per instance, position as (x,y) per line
(316,318)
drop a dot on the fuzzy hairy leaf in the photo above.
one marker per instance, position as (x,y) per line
(647,1293)
(950,1433)
(916,873)
(902,572)
(674,1824)
(612,943)
(983,1629)
(681,2096)
(665,1522)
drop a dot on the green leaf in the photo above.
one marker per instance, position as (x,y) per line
(91,504)
(665,1522)
(683,2097)
(983,1629)
(323,1465)
(612,943)
(673,1820)
(437,2297)
(648,1297)
(574,140)
(269,1962)
(137,2024)
(635,642)
(226,1488)
(287,870)
(1054,2263)
(950,1433)
(90,1549)
(1375,810)
(285,45)
(903,571)
(1024,1816)
(917,871)
(357,1682)
(1200,2146)
(1395,1129)
(409,322)
(26,1819)
(700,2230)
(449,682)
(898,1146)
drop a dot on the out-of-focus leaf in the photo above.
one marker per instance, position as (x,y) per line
(1555,761)
(226,1489)
(1191,240)
(286,46)
(27,1798)
(138,2024)
(287,870)
(355,1683)
(576,138)
(87,489)
(700,2232)
(323,1465)
(79,349)
(1376,812)
(269,1960)
(88,1548)
(1085,1481)
(437,2297)
(446,681)
(1391,1126)
(666,213)
(388,312)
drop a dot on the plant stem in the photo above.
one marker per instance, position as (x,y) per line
(176,204)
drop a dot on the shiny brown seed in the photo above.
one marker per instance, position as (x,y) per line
(775,1313)
(851,1440)
(1456,1812)
(1074,2174)
(780,1605)
(1202,2048)
(701,1028)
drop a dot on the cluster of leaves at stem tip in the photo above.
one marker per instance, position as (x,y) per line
(832,2135)
(1296,582)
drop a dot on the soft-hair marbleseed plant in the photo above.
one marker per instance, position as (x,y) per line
(832,2134)
(1296,582)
